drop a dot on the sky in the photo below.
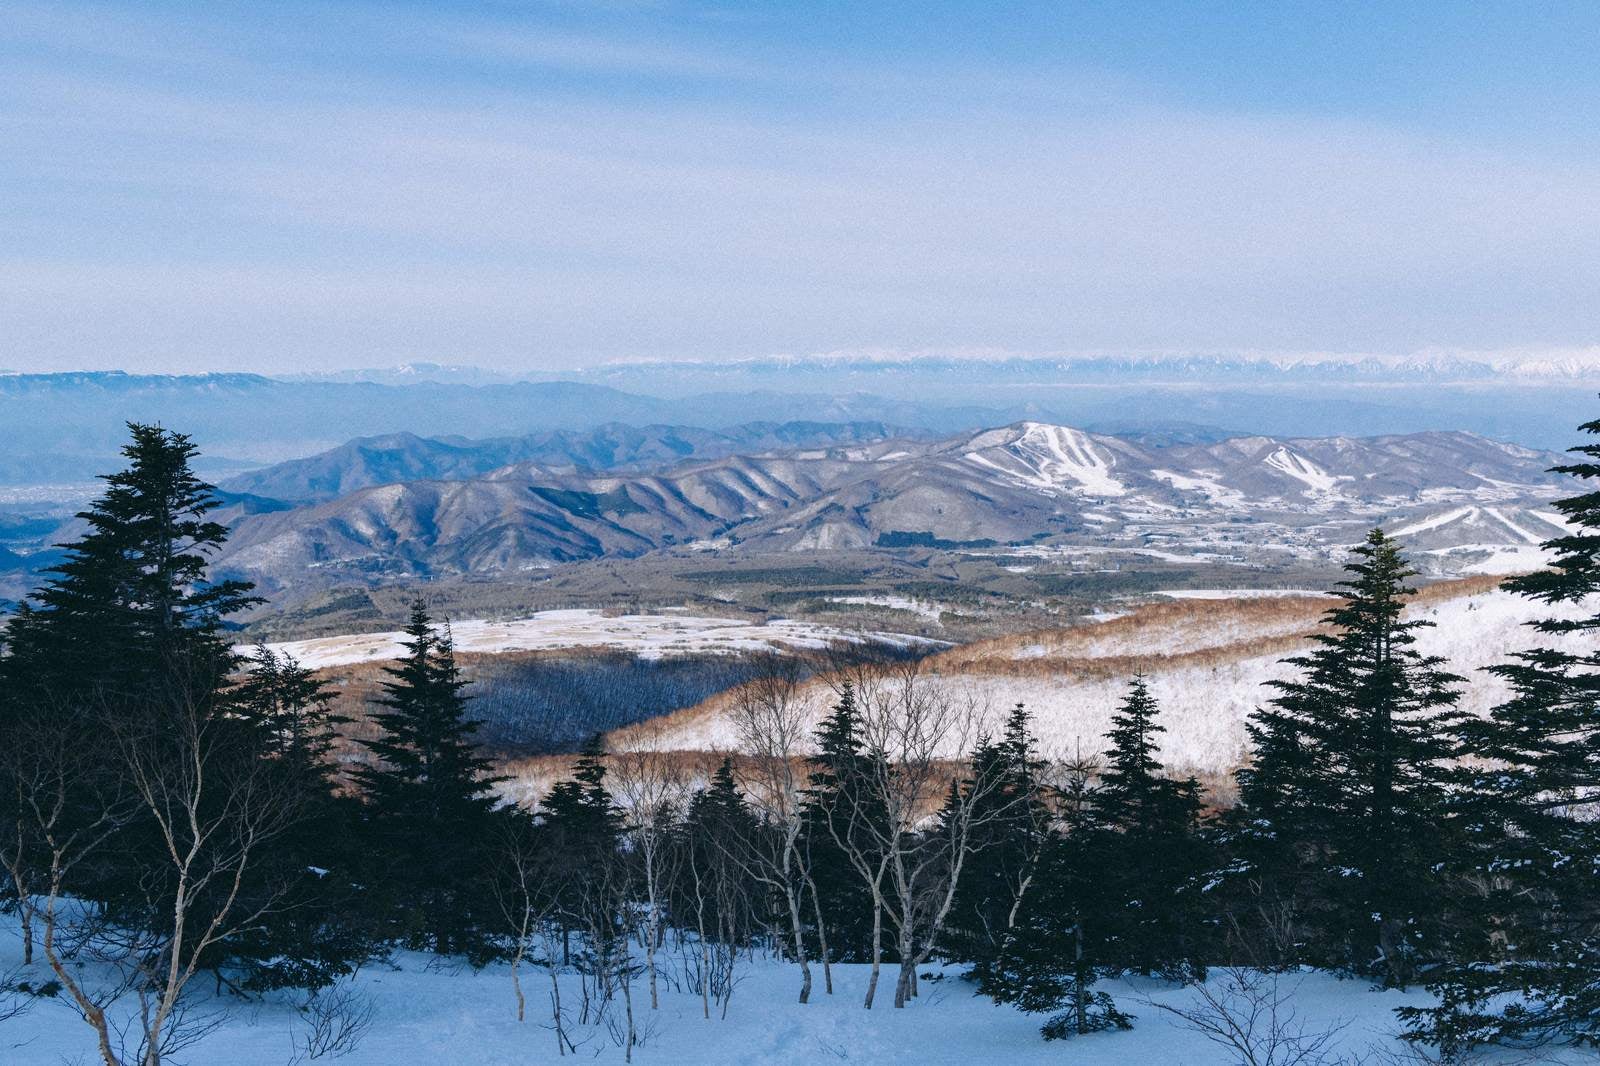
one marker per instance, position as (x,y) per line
(289,186)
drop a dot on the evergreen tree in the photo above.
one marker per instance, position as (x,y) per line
(837,806)
(128,618)
(124,658)
(581,830)
(1151,850)
(1525,959)
(1349,777)
(322,925)
(1012,826)
(713,887)
(1056,949)
(430,799)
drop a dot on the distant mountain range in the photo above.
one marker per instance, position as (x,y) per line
(397,457)
(1027,489)
(62,429)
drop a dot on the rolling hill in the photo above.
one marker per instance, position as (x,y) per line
(1464,503)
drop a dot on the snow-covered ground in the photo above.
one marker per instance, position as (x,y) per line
(1209,669)
(650,636)
(927,609)
(428,1013)
(1236,594)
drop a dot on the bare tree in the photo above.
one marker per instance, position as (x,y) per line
(651,789)
(336,1021)
(216,807)
(914,730)
(771,719)
(1251,1013)
(67,811)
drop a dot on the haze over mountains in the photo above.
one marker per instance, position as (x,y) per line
(64,428)
(1029,489)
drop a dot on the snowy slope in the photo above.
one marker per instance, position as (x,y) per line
(650,636)
(1207,663)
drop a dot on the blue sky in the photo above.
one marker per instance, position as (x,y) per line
(296,186)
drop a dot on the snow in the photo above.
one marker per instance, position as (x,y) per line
(1214,490)
(1209,671)
(1237,594)
(1054,458)
(649,636)
(931,611)
(1497,558)
(429,1012)
(1303,470)
(1434,522)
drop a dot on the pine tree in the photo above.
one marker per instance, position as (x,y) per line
(836,805)
(1526,952)
(129,612)
(1152,852)
(1056,949)
(1350,775)
(581,829)
(430,798)
(1013,826)
(124,658)
(321,926)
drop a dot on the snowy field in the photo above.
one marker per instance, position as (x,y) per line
(650,636)
(427,1013)
(1209,671)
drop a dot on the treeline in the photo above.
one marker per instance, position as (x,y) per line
(173,813)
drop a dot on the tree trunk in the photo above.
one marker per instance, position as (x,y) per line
(799,945)
(877,952)
(822,937)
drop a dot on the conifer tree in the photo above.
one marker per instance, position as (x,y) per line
(1350,772)
(1524,961)
(581,829)
(1152,852)
(1056,950)
(322,925)
(834,802)
(430,798)
(1013,824)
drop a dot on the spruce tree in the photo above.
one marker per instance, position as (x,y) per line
(580,828)
(1151,848)
(1013,824)
(1057,949)
(322,926)
(430,798)
(123,661)
(1350,776)
(837,804)
(1524,962)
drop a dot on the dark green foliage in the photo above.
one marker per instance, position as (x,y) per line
(580,828)
(1118,889)
(1012,827)
(1345,797)
(430,800)
(1524,963)
(839,814)
(121,668)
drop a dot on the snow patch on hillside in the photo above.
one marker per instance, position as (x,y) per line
(929,610)
(1300,468)
(1204,673)
(649,636)
(1053,458)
